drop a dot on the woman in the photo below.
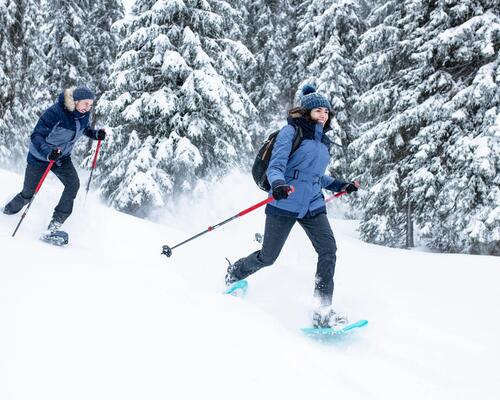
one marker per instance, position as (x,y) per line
(53,139)
(304,169)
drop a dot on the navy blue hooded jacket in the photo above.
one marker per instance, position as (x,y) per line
(59,127)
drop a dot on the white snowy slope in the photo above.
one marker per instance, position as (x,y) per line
(108,317)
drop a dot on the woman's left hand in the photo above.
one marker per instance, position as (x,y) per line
(351,187)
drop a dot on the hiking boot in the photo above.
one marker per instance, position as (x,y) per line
(230,277)
(8,210)
(54,226)
(326,317)
(15,205)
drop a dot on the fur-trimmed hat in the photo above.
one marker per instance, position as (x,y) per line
(310,99)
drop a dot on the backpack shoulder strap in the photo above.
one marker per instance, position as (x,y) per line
(297,139)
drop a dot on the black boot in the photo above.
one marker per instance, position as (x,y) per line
(54,235)
(15,205)
(326,317)
(54,226)
(230,275)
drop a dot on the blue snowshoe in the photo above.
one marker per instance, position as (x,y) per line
(237,289)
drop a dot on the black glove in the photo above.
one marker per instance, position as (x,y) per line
(280,190)
(100,134)
(350,187)
(54,155)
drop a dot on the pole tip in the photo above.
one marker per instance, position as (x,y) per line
(167,251)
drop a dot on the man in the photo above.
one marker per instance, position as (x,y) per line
(53,139)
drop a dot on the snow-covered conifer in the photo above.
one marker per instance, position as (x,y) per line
(429,74)
(175,101)
(22,92)
(101,43)
(101,48)
(327,35)
(66,29)
(267,37)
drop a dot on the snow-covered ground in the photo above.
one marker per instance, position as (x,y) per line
(108,317)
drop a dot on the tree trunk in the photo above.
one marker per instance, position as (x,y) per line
(409,224)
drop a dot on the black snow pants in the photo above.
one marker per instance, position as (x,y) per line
(65,171)
(276,232)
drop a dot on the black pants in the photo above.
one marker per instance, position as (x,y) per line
(66,173)
(276,232)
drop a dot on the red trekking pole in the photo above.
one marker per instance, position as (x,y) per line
(33,198)
(259,237)
(334,196)
(94,162)
(167,250)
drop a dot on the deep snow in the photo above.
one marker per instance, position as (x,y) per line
(108,317)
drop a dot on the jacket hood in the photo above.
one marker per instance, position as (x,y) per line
(66,99)
(67,102)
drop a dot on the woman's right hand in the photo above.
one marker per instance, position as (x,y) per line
(281,190)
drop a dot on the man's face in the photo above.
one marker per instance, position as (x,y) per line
(84,106)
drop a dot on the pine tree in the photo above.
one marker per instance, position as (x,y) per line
(176,103)
(7,21)
(267,37)
(327,36)
(66,29)
(22,93)
(101,42)
(455,160)
(101,48)
(336,77)
(428,110)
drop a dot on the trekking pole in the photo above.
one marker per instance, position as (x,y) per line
(167,250)
(34,194)
(259,237)
(334,196)
(94,162)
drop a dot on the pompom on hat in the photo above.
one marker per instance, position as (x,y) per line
(83,93)
(310,99)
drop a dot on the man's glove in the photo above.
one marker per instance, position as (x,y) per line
(100,134)
(351,187)
(280,190)
(54,155)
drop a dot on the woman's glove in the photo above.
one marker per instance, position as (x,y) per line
(280,190)
(351,187)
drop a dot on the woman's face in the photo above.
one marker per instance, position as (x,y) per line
(84,106)
(320,115)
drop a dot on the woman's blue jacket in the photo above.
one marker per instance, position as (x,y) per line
(304,170)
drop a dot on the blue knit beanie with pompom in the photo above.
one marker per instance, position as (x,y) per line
(311,99)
